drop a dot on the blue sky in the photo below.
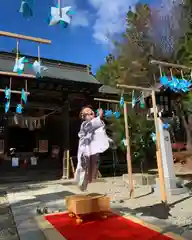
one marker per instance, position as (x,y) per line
(84,41)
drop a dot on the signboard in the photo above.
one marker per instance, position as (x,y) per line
(15,162)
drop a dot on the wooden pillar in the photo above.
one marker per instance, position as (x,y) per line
(64,147)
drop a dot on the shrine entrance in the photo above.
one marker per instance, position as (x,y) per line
(49,122)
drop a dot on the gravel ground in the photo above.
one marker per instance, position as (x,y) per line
(145,204)
(8,229)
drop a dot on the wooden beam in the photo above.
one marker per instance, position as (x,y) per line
(23,37)
(172,65)
(137,88)
(12,74)
(109,100)
(15,91)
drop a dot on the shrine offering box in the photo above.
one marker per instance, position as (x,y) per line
(88,203)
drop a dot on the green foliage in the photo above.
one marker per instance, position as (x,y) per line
(184,46)
(131,66)
(187,102)
(136,48)
(140,131)
(15,51)
(108,73)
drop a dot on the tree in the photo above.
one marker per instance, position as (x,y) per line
(184,46)
(136,48)
(183,55)
(140,130)
(15,51)
(108,73)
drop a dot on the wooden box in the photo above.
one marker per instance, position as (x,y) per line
(89,203)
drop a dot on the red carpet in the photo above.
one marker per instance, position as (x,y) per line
(115,227)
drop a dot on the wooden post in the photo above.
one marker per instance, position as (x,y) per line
(68,164)
(158,151)
(72,166)
(128,154)
(64,165)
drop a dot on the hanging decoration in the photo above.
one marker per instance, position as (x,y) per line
(19,61)
(19,108)
(116,114)
(19,65)
(142,101)
(108,113)
(133,99)
(60,16)
(7,106)
(26,8)
(37,67)
(23,95)
(166,125)
(7,92)
(124,142)
(121,101)
(173,83)
(153,136)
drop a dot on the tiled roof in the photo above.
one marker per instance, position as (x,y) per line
(109,90)
(56,69)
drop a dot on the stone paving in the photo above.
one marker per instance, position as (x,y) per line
(8,230)
(25,198)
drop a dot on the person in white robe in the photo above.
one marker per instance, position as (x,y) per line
(93,140)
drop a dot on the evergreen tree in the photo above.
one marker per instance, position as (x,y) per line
(184,47)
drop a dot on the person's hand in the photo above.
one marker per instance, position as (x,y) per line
(100,112)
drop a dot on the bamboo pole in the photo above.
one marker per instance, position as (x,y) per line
(158,151)
(72,166)
(137,88)
(109,100)
(172,65)
(12,74)
(15,91)
(23,37)
(128,153)
(68,164)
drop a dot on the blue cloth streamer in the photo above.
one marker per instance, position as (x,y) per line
(153,136)
(176,85)
(23,96)
(7,106)
(26,8)
(7,93)
(164,80)
(117,115)
(19,108)
(108,113)
(166,125)
(122,101)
